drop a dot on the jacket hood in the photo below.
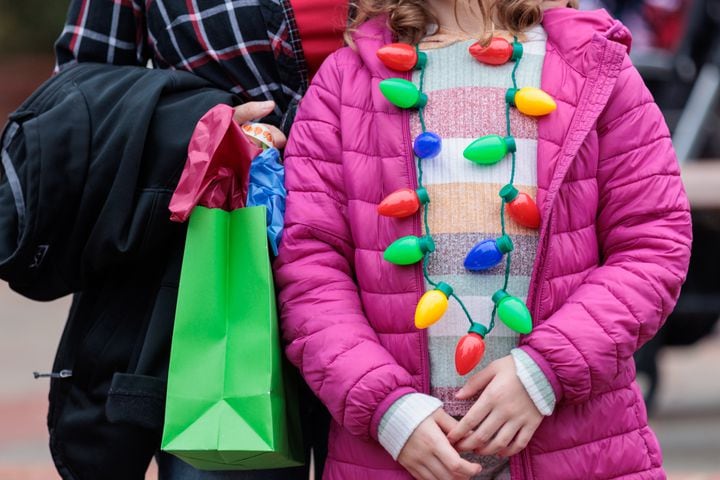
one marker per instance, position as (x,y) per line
(368,38)
(569,31)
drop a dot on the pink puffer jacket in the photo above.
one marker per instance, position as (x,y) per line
(613,252)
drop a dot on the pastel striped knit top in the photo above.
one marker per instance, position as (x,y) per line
(466,100)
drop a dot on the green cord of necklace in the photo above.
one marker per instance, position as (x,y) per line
(508,261)
(426,274)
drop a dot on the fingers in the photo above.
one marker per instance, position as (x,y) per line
(483,434)
(457,466)
(502,439)
(421,472)
(429,455)
(444,421)
(522,439)
(446,463)
(278,136)
(436,468)
(472,419)
(252,111)
(476,383)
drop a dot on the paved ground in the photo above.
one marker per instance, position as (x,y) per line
(687,419)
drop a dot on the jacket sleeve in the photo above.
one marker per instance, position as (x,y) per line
(328,336)
(644,235)
(101,31)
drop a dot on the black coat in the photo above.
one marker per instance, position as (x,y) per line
(90,162)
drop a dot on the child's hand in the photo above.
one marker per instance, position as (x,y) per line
(504,418)
(253,111)
(428,455)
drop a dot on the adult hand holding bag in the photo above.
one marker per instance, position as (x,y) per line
(229,405)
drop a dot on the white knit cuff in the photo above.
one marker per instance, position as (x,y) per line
(402,418)
(535,382)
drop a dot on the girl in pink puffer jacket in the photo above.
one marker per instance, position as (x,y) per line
(516,197)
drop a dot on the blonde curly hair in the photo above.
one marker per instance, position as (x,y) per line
(408,19)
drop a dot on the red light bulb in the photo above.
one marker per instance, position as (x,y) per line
(520,206)
(403,203)
(470,349)
(401,57)
(498,52)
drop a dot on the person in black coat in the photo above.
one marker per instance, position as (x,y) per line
(90,163)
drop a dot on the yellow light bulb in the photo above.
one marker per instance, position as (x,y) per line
(531,101)
(432,305)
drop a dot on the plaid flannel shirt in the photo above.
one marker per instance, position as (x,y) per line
(249,47)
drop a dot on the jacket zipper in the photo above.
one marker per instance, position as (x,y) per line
(417,228)
(537,283)
(525,463)
(523,458)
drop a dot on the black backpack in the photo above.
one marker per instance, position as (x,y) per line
(89,163)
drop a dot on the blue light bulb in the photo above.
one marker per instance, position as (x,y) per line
(427,145)
(487,253)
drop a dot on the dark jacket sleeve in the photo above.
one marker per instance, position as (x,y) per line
(103,31)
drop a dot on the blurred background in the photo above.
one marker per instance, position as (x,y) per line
(677,50)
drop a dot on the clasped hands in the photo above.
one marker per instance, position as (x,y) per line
(501,422)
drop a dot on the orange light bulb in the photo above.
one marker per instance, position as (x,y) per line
(403,202)
(521,207)
(401,57)
(498,52)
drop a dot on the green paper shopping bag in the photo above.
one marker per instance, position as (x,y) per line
(230,403)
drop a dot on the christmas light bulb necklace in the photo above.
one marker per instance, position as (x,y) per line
(486,150)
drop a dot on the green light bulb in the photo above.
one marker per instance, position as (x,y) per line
(408,250)
(402,93)
(489,149)
(513,312)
